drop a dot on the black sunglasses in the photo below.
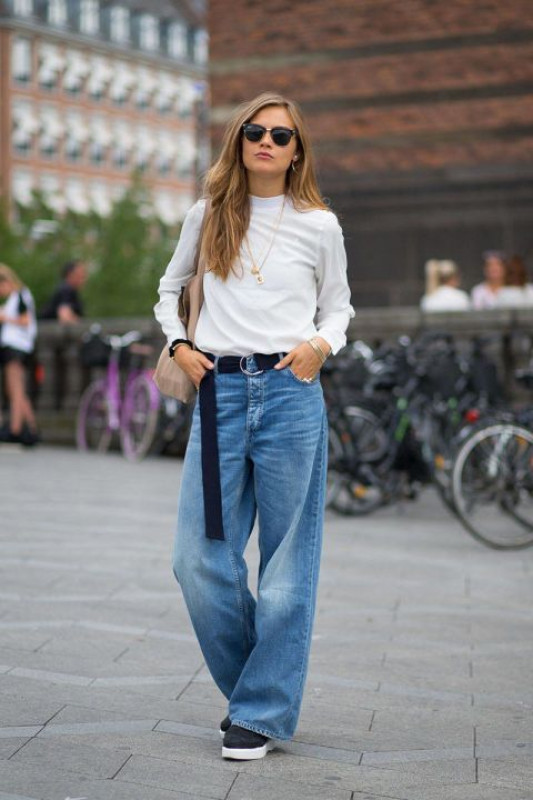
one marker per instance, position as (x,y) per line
(280,136)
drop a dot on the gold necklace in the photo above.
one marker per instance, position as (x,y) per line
(256,268)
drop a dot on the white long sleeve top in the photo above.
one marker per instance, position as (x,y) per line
(305,290)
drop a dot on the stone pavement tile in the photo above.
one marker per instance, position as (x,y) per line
(25,641)
(199,781)
(11,745)
(205,692)
(31,782)
(490,725)
(504,748)
(17,708)
(423,728)
(72,713)
(72,755)
(248,787)
(513,772)
(471,791)
(377,780)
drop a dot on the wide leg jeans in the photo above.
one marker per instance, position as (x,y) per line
(272,437)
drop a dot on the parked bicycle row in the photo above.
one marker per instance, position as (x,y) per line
(403,416)
(424,412)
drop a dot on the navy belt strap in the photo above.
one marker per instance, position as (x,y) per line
(214,526)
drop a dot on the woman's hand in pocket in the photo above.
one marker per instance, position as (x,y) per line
(194,363)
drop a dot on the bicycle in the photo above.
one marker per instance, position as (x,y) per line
(492,479)
(106,408)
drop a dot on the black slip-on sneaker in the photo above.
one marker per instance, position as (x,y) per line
(245,745)
(225,725)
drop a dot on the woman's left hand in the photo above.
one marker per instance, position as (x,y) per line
(303,360)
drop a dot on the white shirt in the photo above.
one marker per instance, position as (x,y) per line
(515,296)
(20,337)
(484,297)
(305,290)
(446,298)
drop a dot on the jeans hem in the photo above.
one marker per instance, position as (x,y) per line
(256,729)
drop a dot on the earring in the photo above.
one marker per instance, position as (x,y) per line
(292,164)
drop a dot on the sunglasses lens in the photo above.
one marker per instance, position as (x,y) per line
(281,136)
(254,133)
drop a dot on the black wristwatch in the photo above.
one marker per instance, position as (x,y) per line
(175,343)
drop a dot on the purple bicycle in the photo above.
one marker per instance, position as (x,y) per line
(109,405)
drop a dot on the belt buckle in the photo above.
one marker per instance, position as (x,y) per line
(247,372)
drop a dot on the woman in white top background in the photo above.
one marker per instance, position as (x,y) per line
(276,304)
(18,330)
(485,294)
(517,291)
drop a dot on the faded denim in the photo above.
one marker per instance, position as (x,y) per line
(272,433)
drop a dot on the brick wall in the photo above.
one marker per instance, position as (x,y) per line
(422,113)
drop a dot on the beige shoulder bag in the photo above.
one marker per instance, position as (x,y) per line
(169,378)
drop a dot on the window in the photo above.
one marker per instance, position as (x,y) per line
(96,154)
(25,125)
(119,24)
(148,32)
(51,63)
(89,16)
(23,8)
(51,133)
(21,60)
(22,187)
(77,69)
(177,40)
(200,47)
(57,12)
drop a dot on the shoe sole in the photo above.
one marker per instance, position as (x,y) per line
(247,753)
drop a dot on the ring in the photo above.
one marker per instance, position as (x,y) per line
(307,380)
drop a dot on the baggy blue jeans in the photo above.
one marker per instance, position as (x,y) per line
(272,435)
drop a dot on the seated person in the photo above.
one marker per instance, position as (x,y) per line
(517,292)
(485,294)
(442,288)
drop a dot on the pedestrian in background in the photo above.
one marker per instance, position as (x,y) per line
(276,303)
(66,307)
(485,294)
(65,304)
(442,288)
(18,331)
(517,292)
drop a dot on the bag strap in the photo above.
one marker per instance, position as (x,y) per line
(199,265)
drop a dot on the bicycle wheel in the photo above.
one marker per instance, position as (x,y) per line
(139,417)
(93,431)
(492,485)
(368,434)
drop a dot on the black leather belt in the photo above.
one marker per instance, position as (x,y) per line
(214,527)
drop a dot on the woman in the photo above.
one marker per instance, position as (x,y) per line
(18,330)
(276,303)
(517,292)
(485,295)
(442,288)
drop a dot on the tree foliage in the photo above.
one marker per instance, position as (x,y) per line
(126,252)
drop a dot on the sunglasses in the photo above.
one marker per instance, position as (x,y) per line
(280,136)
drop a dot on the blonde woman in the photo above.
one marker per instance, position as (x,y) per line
(442,288)
(18,331)
(277,303)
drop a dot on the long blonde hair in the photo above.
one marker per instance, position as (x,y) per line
(7,274)
(227,187)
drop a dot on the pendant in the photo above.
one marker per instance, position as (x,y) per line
(260,279)
(255,270)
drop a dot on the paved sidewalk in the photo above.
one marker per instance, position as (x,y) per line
(420,684)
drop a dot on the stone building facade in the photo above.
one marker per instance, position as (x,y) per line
(91,91)
(422,112)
